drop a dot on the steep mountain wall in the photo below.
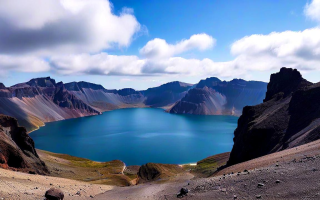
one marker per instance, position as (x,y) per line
(17,149)
(289,117)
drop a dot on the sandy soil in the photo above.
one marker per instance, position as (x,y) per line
(16,185)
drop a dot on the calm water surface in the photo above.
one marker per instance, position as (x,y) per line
(139,135)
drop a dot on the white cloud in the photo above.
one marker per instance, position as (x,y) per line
(71,33)
(312,10)
(50,27)
(159,48)
(299,50)
(22,64)
(102,64)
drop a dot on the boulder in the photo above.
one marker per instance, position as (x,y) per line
(54,194)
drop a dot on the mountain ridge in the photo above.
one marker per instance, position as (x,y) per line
(42,100)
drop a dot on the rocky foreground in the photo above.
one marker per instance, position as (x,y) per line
(290,174)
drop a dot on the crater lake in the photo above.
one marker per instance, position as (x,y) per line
(139,135)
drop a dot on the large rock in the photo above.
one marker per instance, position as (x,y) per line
(17,149)
(289,117)
(54,194)
(155,171)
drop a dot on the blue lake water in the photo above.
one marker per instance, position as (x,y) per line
(139,135)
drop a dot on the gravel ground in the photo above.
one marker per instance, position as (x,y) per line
(290,174)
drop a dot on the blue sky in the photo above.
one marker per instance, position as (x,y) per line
(227,21)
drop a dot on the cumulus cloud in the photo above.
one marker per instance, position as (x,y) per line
(102,64)
(312,10)
(296,49)
(49,27)
(300,49)
(22,64)
(72,33)
(159,48)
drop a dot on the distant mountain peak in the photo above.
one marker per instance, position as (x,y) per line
(210,82)
(42,82)
(2,86)
(77,86)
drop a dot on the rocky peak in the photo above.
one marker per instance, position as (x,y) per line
(209,82)
(83,84)
(2,86)
(73,86)
(175,84)
(127,91)
(78,86)
(288,117)
(42,82)
(286,81)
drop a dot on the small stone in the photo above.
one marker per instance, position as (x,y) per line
(223,189)
(260,184)
(91,196)
(183,192)
(234,196)
(277,181)
(258,196)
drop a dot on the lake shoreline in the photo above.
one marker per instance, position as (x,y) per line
(144,129)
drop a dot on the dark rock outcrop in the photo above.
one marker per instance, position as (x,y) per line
(154,171)
(289,117)
(213,96)
(54,194)
(17,149)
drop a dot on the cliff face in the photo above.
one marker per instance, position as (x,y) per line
(289,117)
(17,149)
(213,96)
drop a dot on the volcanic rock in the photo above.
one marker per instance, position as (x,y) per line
(17,149)
(289,117)
(54,194)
